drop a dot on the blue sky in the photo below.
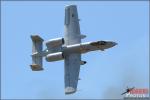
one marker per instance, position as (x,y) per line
(106,74)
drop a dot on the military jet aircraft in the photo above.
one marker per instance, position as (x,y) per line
(128,90)
(69,48)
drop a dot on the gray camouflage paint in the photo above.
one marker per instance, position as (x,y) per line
(68,49)
(72,61)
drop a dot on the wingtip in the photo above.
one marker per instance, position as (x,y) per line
(70,90)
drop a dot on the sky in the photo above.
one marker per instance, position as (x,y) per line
(106,74)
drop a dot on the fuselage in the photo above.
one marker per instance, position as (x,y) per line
(79,48)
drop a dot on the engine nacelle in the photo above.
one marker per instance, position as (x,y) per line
(55,42)
(54,56)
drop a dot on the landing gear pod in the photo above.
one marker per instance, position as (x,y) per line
(54,56)
(82,62)
(36,50)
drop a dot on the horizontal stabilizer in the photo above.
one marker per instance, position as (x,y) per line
(37,47)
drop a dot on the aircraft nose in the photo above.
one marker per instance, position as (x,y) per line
(112,44)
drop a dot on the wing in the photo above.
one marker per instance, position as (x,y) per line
(72,68)
(72,61)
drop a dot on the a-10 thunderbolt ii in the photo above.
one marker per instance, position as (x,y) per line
(68,49)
